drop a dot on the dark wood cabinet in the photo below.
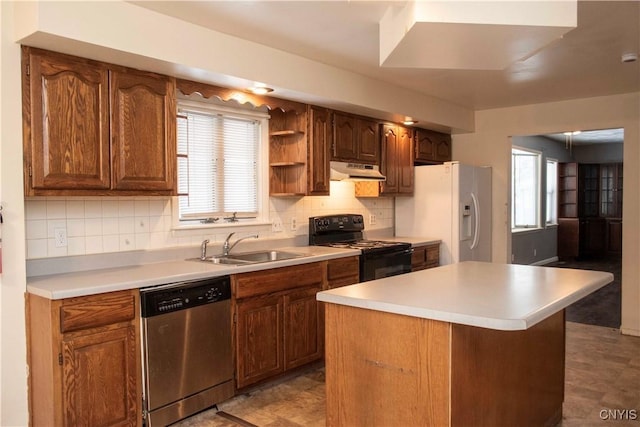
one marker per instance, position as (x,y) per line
(84,360)
(355,139)
(66,122)
(278,322)
(611,190)
(397,160)
(320,139)
(303,339)
(343,272)
(431,147)
(92,128)
(593,233)
(568,190)
(259,338)
(589,209)
(143,131)
(424,257)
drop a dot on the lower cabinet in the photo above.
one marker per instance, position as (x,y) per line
(277,321)
(343,271)
(84,360)
(424,257)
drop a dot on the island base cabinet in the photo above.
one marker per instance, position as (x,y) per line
(385,369)
(508,378)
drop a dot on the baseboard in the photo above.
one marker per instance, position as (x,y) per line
(632,332)
(546,261)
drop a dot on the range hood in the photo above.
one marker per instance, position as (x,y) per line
(343,171)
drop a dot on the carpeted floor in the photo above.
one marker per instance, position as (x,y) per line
(603,307)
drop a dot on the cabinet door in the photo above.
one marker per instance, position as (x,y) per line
(368,140)
(143,131)
(259,338)
(404,156)
(302,334)
(443,147)
(388,163)
(343,271)
(344,138)
(320,138)
(99,379)
(425,146)
(66,113)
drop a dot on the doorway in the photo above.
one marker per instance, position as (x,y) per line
(587,231)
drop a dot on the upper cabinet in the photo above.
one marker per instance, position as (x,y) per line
(95,129)
(288,151)
(432,147)
(397,160)
(355,139)
(320,139)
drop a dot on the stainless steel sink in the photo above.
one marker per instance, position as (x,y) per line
(244,258)
(264,256)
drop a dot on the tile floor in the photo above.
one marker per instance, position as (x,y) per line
(602,374)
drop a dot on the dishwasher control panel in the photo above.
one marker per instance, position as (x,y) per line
(180,296)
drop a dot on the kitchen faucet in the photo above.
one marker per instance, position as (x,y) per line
(226,248)
(203,249)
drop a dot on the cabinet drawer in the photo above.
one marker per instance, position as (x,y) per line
(341,268)
(278,279)
(433,255)
(94,311)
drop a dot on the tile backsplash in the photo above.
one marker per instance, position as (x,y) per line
(94,225)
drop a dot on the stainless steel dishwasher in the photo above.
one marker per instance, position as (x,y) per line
(186,348)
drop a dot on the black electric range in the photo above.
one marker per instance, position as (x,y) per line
(378,258)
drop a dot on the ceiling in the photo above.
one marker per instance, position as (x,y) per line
(586,62)
(589,137)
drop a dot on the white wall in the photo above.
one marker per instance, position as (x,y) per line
(491,145)
(13,388)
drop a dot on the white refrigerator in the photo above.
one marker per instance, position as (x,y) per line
(451,202)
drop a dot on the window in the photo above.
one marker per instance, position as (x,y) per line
(218,162)
(525,187)
(552,192)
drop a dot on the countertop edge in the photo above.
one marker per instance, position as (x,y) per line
(69,285)
(505,324)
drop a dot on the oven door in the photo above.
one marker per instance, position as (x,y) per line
(384,264)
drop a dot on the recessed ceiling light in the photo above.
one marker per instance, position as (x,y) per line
(409,121)
(259,89)
(629,57)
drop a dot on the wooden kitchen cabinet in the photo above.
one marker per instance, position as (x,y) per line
(278,323)
(356,139)
(288,151)
(84,360)
(343,271)
(397,161)
(91,128)
(424,257)
(431,147)
(320,139)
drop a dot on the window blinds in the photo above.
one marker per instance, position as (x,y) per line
(217,164)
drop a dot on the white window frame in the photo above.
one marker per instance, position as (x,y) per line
(538,184)
(551,197)
(262,216)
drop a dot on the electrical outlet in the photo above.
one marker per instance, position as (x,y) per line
(276,226)
(60,237)
(294,224)
(372,219)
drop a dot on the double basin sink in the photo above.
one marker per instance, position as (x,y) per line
(244,258)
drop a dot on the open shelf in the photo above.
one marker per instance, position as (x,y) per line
(286,164)
(286,132)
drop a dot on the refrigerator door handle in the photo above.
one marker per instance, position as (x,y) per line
(476,215)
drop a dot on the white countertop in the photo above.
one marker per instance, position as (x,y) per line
(415,241)
(92,282)
(494,296)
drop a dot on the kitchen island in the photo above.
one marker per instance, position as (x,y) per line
(464,344)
